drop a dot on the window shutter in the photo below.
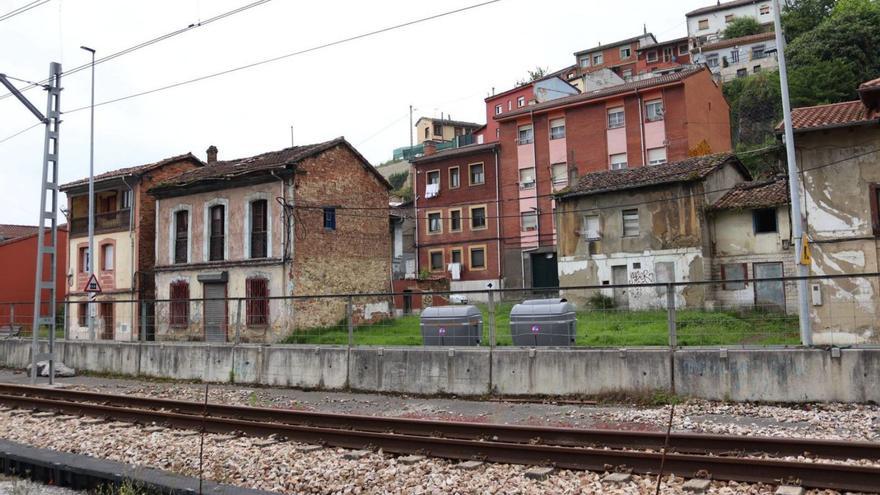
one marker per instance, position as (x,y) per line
(256,289)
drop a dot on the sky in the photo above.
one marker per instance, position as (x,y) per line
(361,90)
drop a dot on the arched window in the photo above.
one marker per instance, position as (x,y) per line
(218,232)
(259,228)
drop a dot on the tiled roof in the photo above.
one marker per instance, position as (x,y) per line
(674,41)
(616,43)
(719,6)
(671,77)
(828,116)
(742,40)
(12,231)
(454,152)
(138,170)
(756,194)
(691,169)
(273,160)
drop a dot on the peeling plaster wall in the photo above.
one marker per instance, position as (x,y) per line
(838,213)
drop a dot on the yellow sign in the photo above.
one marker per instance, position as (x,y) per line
(806,254)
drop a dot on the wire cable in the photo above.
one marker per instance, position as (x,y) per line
(21,10)
(7,138)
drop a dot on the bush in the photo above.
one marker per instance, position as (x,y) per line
(742,26)
(601,301)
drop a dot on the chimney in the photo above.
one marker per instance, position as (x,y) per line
(430,148)
(212,154)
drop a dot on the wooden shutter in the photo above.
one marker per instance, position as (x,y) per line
(179,304)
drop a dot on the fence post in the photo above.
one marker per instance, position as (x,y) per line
(670,315)
(142,335)
(492,340)
(349,316)
(11,317)
(64,327)
(238,323)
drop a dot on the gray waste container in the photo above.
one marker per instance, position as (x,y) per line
(452,325)
(543,322)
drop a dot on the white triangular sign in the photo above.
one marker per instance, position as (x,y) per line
(92,285)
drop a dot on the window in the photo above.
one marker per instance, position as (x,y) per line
(455,256)
(498,109)
(526,136)
(179,295)
(434,223)
(651,56)
(758,52)
(455,220)
(181,236)
(734,271)
(654,110)
(476,174)
(83,314)
(591,230)
(664,273)
(712,60)
(107,202)
(560,173)
(584,61)
(764,220)
(521,101)
(478,217)
(107,261)
(626,74)
(106,309)
(84,260)
(454,177)
(756,69)
(509,105)
(432,184)
(764,9)
(728,18)
(527,178)
(616,118)
(668,54)
(630,223)
(434,177)
(438,130)
(734,56)
(557,129)
(529,221)
(682,49)
(435,259)
(875,207)
(597,59)
(703,24)
(427,133)
(656,156)
(618,161)
(126,199)
(218,233)
(257,306)
(477,255)
(329,218)
(625,52)
(259,227)
(742,72)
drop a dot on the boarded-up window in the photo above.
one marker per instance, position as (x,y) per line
(257,293)
(591,230)
(664,272)
(181,236)
(630,223)
(218,232)
(259,223)
(179,303)
(737,272)
(107,318)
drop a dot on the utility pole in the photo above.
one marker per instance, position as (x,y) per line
(410,128)
(92,256)
(49,189)
(797,224)
(291,135)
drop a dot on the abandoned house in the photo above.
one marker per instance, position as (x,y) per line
(305,220)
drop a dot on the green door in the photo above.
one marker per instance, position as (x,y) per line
(544,272)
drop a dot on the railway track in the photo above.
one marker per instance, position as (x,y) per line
(721,457)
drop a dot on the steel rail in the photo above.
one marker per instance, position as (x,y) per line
(810,475)
(692,443)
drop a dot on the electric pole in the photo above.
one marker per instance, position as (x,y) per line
(49,188)
(410,129)
(92,256)
(797,230)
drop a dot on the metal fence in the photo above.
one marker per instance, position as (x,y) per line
(844,310)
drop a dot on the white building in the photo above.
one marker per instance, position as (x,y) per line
(707,24)
(739,57)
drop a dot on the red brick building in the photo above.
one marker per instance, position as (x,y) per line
(18,263)
(649,121)
(458,228)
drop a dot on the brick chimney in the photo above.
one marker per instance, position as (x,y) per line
(212,154)
(430,148)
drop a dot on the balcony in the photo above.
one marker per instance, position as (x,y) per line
(104,222)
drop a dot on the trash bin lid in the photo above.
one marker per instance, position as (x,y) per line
(457,311)
(549,307)
(544,301)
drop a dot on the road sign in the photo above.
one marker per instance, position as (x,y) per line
(92,286)
(806,254)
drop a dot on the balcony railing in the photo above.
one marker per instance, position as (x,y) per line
(104,222)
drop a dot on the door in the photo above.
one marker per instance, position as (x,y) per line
(618,277)
(215,313)
(407,302)
(544,270)
(769,296)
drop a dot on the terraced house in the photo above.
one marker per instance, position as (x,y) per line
(305,220)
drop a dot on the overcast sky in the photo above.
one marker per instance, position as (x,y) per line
(360,90)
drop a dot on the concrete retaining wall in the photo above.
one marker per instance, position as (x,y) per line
(765,374)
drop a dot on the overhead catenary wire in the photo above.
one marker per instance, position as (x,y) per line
(24,8)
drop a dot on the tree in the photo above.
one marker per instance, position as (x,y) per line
(534,75)
(801,16)
(742,26)
(398,180)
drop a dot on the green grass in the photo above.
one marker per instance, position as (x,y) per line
(594,329)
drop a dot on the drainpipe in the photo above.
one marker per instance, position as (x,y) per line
(641,129)
(415,187)
(535,159)
(283,232)
(497,220)
(131,247)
